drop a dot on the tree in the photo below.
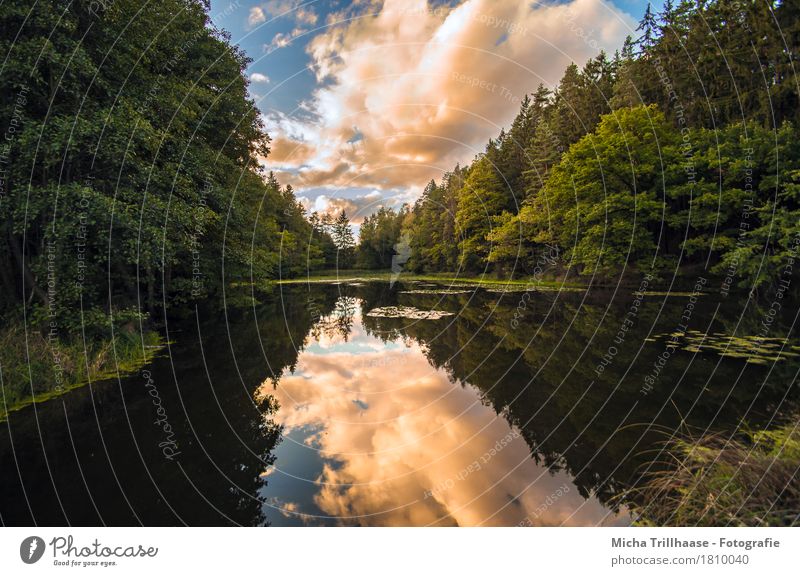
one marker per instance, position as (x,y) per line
(480,199)
(601,204)
(378,237)
(431,225)
(567,121)
(511,157)
(543,153)
(133,170)
(762,250)
(693,99)
(649,29)
(344,241)
(321,238)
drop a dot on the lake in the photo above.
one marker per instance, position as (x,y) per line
(411,404)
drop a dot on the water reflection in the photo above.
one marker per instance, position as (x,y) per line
(394,417)
(304,409)
(392,440)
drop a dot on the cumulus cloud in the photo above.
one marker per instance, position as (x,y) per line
(397,452)
(357,206)
(305,15)
(427,87)
(290,9)
(290,152)
(259,78)
(282,39)
(256,16)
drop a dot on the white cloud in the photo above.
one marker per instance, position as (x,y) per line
(292,9)
(255,17)
(281,40)
(404,459)
(259,78)
(427,87)
(305,16)
(357,207)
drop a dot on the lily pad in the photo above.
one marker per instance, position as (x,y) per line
(442,291)
(407,312)
(515,289)
(752,349)
(676,293)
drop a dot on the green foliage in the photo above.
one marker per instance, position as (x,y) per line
(649,159)
(715,481)
(432,225)
(35,367)
(344,240)
(481,197)
(379,238)
(767,246)
(130,183)
(601,202)
(132,168)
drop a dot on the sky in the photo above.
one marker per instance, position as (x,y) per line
(366,101)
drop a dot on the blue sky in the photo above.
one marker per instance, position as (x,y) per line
(366,101)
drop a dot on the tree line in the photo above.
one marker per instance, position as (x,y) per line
(130,165)
(680,151)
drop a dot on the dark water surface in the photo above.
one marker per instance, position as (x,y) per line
(314,408)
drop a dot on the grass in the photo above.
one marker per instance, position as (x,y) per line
(42,369)
(713,481)
(327,276)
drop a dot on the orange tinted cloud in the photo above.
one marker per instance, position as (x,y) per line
(402,445)
(285,150)
(425,88)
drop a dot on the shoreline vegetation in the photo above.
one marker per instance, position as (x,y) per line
(752,479)
(550,281)
(91,165)
(36,370)
(368,275)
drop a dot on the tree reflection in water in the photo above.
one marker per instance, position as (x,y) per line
(301,409)
(600,429)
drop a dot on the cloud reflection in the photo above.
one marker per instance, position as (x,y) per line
(398,443)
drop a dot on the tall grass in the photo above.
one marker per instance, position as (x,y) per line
(35,369)
(753,480)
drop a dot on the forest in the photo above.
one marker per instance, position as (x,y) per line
(676,153)
(131,163)
(133,186)
(129,174)
(130,169)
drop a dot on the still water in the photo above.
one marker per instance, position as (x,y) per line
(411,405)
